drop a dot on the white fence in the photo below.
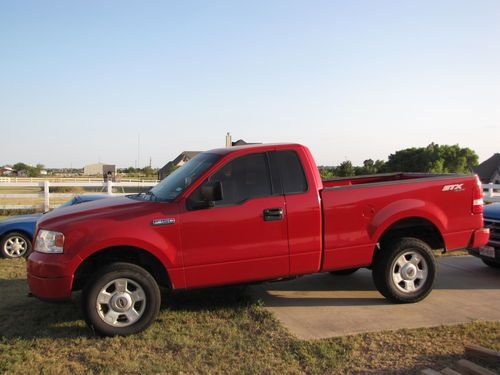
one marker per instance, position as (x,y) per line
(491,191)
(106,187)
(68,179)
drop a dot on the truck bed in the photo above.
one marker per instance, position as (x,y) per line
(357,210)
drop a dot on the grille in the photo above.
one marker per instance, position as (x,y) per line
(494,226)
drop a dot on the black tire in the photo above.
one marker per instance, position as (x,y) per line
(9,245)
(491,263)
(387,270)
(345,272)
(138,282)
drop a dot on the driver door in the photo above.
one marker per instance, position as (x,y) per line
(243,237)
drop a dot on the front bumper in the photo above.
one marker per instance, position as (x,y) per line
(51,289)
(49,276)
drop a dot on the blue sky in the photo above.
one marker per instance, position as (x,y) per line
(79,80)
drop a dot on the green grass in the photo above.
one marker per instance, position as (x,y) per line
(208,331)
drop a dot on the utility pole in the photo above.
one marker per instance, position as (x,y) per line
(138,150)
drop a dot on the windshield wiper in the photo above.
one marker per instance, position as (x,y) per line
(143,195)
(152,195)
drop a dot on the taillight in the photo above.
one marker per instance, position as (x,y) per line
(477,197)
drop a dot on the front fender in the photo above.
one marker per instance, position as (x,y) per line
(163,242)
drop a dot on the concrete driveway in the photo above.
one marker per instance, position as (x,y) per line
(323,305)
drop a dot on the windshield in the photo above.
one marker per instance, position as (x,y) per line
(177,181)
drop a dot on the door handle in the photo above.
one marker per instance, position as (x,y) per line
(271,214)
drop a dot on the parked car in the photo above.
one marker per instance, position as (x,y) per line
(16,233)
(490,254)
(246,214)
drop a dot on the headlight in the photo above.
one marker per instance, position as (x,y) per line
(49,242)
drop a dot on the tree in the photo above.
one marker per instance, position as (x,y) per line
(31,171)
(345,169)
(326,173)
(20,167)
(148,171)
(369,167)
(433,159)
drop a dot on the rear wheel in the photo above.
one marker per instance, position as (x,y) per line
(15,245)
(405,272)
(123,299)
(346,272)
(490,263)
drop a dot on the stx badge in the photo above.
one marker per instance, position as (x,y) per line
(455,187)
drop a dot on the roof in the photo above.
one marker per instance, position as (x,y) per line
(88,165)
(100,165)
(227,150)
(249,146)
(487,168)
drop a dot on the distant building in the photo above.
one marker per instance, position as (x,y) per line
(99,169)
(489,170)
(179,161)
(22,173)
(5,171)
(43,172)
(239,142)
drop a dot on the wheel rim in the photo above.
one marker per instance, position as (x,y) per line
(409,272)
(15,246)
(121,302)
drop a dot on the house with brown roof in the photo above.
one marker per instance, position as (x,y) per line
(6,171)
(489,170)
(179,161)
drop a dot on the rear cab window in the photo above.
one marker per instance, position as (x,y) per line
(288,170)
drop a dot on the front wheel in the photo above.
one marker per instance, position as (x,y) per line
(123,299)
(405,272)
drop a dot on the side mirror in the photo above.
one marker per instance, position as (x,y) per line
(211,192)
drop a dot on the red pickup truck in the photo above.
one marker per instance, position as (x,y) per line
(246,214)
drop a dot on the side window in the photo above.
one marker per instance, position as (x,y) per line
(291,173)
(243,178)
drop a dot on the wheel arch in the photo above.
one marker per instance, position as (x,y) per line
(16,230)
(418,227)
(130,254)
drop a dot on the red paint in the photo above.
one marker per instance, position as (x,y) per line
(335,224)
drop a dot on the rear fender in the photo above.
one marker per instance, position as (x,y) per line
(403,209)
